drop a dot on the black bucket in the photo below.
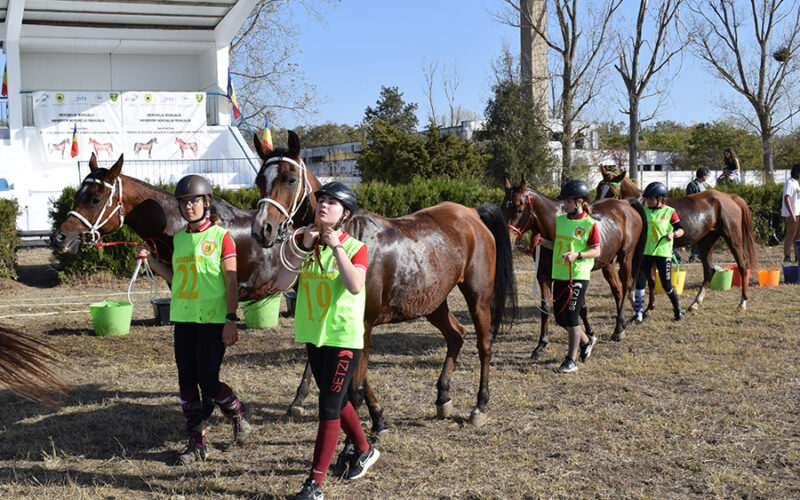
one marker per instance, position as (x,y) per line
(161,311)
(291,301)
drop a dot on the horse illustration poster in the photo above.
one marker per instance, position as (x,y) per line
(143,125)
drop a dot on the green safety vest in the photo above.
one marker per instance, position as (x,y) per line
(572,235)
(326,313)
(658,224)
(198,279)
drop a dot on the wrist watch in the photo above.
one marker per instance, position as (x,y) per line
(231,317)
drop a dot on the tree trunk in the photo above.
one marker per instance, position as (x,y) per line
(566,123)
(766,148)
(633,139)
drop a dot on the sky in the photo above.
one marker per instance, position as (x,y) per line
(362,45)
(366,44)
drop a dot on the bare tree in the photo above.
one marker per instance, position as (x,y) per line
(584,56)
(261,63)
(637,67)
(754,47)
(450,80)
(429,69)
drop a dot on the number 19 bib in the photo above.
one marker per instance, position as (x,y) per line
(326,313)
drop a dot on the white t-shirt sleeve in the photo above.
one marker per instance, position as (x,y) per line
(791,189)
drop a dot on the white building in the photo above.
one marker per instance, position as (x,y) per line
(161,50)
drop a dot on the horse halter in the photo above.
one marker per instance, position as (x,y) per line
(283,227)
(521,232)
(93,231)
(611,184)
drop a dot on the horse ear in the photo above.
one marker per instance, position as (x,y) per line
(603,170)
(116,169)
(523,184)
(506,182)
(93,163)
(294,145)
(259,147)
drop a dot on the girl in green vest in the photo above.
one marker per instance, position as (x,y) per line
(329,318)
(576,245)
(203,308)
(663,226)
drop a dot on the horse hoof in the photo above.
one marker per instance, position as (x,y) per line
(296,411)
(380,435)
(477,418)
(617,336)
(693,308)
(537,354)
(444,410)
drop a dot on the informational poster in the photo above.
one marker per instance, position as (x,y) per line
(142,125)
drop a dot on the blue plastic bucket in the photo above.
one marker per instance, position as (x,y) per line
(790,274)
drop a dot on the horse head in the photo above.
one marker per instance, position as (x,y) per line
(287,188)
(517,209)
(611,185)
(98,199)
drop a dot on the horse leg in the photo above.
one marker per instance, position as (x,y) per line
(361,390)
(453,334)
(706,248)
(738,256)
(616,290)
(296,407)
(544,314)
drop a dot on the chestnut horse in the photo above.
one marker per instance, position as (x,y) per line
(705,217)
(106,199)
(414,263)
(27,368)
(183,145)
(102,146)
(620,224)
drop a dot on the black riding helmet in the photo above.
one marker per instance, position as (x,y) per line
(654,190)
(574,189)
(341,192)
(191,186)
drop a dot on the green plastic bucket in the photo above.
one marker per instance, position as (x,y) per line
(111,317)
(722,280)
(262,313)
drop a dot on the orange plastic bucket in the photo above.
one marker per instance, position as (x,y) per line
(769,277)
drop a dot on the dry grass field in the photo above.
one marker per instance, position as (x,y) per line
(705,408)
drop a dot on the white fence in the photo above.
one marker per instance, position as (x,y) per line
(680,178)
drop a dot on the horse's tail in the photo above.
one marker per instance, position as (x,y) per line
(25,367)
(748,242)
(505,290)
(640,244)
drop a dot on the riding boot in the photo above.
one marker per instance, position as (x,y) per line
(638,304)
(193,416)
(235,411)
(676,304)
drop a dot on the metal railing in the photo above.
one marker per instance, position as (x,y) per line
(230,173)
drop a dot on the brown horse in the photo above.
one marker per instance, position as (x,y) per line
(27,367)
(102,146)
(414,263)
(183,145)
(705,217)
(619,223)
(106,199)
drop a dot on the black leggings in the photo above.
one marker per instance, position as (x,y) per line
(567,303)
(664,268)
(333,368)
(198,354)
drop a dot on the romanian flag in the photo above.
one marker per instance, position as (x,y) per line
(232,97)
(74,151)
(267,140)
(5,82)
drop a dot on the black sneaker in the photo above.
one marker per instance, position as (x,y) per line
(194,452)
(679,314)
(568,366)
(345,457)
(241,427)
(361,462)
(586,350)
(695,258)
(311,491)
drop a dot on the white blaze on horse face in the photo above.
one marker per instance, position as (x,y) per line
(269,176)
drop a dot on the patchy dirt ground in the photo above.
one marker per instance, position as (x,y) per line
(709,407)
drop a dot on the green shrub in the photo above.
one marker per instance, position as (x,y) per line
(394,200)
(9,238)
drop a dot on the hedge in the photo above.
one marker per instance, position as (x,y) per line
(9,238)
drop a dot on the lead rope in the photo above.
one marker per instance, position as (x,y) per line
(151,281)
(296,251)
